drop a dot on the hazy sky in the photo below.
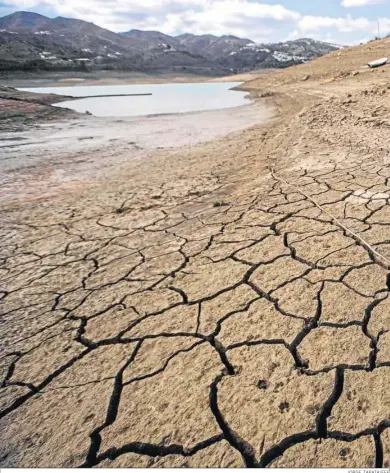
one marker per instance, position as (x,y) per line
(340,21)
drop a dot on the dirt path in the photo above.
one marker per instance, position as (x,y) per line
(202,311)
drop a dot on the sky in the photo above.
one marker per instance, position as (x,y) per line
(343,22)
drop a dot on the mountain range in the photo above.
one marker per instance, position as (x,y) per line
(29,41)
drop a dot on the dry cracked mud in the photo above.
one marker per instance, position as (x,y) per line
(224,310)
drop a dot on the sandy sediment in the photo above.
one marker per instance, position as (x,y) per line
(67,79)
(61,79)
(219,308)
(59,156)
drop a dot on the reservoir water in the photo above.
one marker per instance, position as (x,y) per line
(165,98)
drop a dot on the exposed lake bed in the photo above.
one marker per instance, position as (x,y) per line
(54,157)
(250,270)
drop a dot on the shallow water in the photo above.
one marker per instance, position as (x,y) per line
(165,98)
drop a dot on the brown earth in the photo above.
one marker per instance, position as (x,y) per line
(218,309)
(69,79)
(21,110)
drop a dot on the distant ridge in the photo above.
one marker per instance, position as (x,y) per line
(30,41)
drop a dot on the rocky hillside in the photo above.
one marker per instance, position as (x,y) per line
(29,41)
(336,66)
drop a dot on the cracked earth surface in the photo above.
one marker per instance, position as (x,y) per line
(227,309)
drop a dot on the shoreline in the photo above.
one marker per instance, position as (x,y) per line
(118,139)
(22,109)
(100,79)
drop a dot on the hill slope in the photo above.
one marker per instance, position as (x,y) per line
(332,67)
(29,41)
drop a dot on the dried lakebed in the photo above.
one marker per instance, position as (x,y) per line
(138,314)
(144,328)
(61,155)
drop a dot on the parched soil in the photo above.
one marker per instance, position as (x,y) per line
(223,308)
(22,110)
